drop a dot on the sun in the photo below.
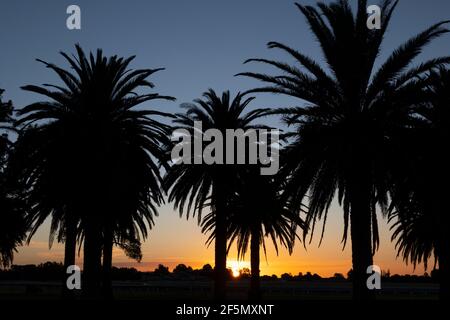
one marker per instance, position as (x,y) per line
(236,267)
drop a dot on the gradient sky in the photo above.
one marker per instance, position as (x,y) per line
(202,44)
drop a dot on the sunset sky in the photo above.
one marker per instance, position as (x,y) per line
(202,44)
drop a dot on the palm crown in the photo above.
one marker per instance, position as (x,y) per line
(89,153)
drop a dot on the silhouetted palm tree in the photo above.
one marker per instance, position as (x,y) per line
(421,189)
(12,226)
(194,186)
(345,137)
(89,158)
(258,210)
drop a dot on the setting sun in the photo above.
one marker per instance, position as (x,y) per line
(237,266)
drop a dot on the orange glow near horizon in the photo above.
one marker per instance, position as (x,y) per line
(173,241)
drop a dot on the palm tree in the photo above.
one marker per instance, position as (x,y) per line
(420,192)
(89,158)
(194,186)
(437,116)
(258,210)
(346,133)
(12,228)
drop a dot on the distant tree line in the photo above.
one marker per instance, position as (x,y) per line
(53,271)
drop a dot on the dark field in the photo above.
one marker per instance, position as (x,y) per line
(202,290)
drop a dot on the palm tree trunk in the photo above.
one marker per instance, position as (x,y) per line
(361,234)
(107,265)
(92,259)
(69,252)
(220,259)
(220,270)
(255,283)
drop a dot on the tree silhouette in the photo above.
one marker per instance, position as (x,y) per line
(346,132)
(12,226)
(419,202)
(90,159)
(258,210)
(194,186)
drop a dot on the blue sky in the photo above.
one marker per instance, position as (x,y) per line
(201,43)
